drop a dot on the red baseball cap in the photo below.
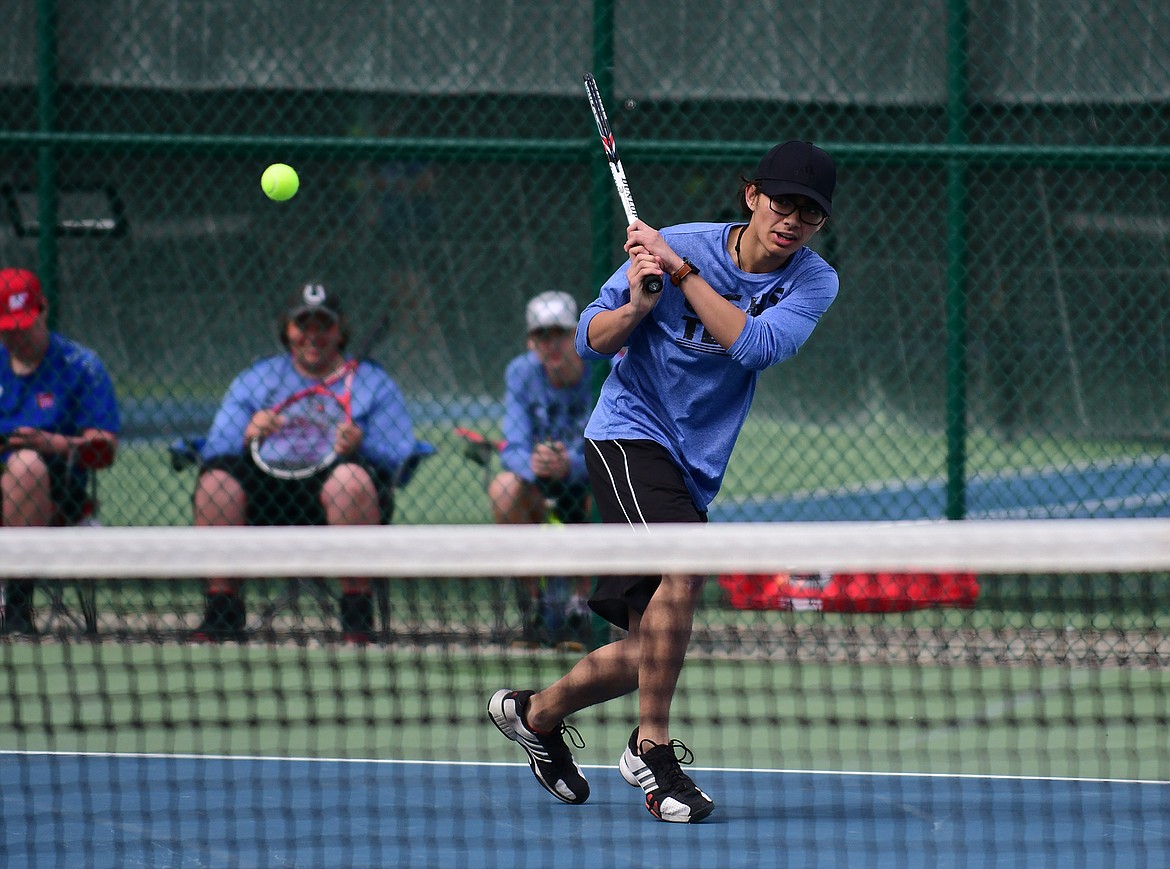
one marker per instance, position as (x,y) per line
(21,300)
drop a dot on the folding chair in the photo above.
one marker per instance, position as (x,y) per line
(184,453)
(93,458)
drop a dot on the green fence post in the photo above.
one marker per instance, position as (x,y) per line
(956,293)
(47,154)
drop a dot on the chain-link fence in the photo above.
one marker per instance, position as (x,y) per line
(1001,225)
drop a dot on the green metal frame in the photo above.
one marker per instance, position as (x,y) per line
(957,156)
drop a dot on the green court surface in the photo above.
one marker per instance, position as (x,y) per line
(765,711)
(772,459)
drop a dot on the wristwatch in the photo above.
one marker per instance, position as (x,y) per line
(687,268)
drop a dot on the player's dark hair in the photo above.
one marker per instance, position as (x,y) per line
(743,206)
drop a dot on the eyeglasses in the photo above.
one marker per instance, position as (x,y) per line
(811,214)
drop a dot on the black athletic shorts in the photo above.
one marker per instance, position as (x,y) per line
(68,490)
(272,501)
(636,483)
(571,500)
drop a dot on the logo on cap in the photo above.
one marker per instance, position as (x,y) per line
(21,301)
(314,295)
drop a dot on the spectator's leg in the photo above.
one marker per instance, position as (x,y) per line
(578,615)
(515,501)
(350,497)
(220,500)
(26,492)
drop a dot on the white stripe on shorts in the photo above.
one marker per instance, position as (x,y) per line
(625,470)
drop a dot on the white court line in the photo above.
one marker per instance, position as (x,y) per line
(495,764)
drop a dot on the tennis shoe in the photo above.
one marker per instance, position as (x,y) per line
(357,619)
(16,617)
(670,793)
(223,620)
(17,621)
(550,758)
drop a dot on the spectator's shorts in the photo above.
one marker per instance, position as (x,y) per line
(295,502)
(571,500)
(69,489)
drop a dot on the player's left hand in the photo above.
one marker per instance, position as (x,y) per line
(641,237)
(28,438)
(550,461)
(349,438)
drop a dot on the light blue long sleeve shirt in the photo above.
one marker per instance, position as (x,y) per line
(676,385)
(377,404)
(536,411)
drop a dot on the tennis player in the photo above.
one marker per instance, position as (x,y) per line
(358,489)
(738,298)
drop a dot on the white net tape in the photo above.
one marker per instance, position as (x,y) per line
(1037,546)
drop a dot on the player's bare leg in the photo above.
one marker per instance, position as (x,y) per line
(603,674)
(666,634)
(648,659)
(652,758)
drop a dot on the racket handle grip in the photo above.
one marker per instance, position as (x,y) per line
(653,285)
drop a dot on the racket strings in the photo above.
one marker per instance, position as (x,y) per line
(307,433)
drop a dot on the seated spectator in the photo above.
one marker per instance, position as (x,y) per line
(548,395)
(58,423)
(357,489)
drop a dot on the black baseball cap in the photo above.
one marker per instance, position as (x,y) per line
(313,299)
(798,168)
(309,299)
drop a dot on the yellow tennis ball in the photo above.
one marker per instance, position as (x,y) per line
(280,182)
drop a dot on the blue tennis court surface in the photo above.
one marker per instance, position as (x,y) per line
(1108,490)
(59,810)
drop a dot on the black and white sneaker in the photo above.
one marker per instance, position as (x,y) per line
(670,793)
(223,620)
(551,761)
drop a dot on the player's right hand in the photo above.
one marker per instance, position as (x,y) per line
(643,266)
(643,239)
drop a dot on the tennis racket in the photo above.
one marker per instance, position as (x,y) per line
(304,444)
(650,285)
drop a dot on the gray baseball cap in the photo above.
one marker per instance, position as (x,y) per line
(551,310)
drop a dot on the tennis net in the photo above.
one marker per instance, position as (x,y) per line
(965,694)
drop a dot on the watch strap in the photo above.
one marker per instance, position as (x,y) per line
(687,268)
